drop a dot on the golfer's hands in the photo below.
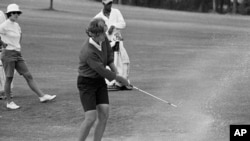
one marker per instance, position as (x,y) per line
(122,80)
(111,29)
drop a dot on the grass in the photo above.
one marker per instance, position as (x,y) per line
(197,61)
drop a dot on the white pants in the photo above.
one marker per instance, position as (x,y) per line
(121,62)
(2,77)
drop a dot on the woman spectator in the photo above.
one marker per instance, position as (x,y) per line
(12,59)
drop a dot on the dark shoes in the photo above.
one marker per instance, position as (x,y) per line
(126,88)
(3,96)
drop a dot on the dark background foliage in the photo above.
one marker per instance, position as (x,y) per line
(218,6)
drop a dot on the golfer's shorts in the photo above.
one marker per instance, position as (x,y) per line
(93,91)
(12,60)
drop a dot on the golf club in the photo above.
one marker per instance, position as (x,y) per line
(153,96)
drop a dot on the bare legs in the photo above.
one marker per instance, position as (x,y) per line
(100,116)
(7,88)
(103,113)
(32,84)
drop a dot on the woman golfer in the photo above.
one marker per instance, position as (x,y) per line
(12,59)
(95,55)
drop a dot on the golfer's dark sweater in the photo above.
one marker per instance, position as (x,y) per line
(93,62)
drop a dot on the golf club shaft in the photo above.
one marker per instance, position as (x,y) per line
(154,96)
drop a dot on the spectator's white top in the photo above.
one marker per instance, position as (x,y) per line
(11,34)
(115,19)
(107,1)
(2,17)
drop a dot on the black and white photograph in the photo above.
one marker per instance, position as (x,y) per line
(124,70)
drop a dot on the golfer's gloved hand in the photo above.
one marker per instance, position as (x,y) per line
(122,80)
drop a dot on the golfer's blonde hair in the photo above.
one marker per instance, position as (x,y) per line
(96,27)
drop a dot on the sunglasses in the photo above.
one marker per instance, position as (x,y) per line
(18,13)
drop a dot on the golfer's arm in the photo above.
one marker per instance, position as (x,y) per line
(97,66)
(113,68)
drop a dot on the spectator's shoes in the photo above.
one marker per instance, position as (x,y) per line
(12,106)
(2,95)
(46,98)
(11,95)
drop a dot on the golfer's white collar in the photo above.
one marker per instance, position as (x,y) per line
(91,41)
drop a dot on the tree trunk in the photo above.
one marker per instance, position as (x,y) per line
(234,6)
(51,5)
(201,6)
(119,1)
(214,5)
(221,4)
(130,2)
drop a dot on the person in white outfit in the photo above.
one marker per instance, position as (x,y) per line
(12,59)
(115,23)
(2,74)
(2,17)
